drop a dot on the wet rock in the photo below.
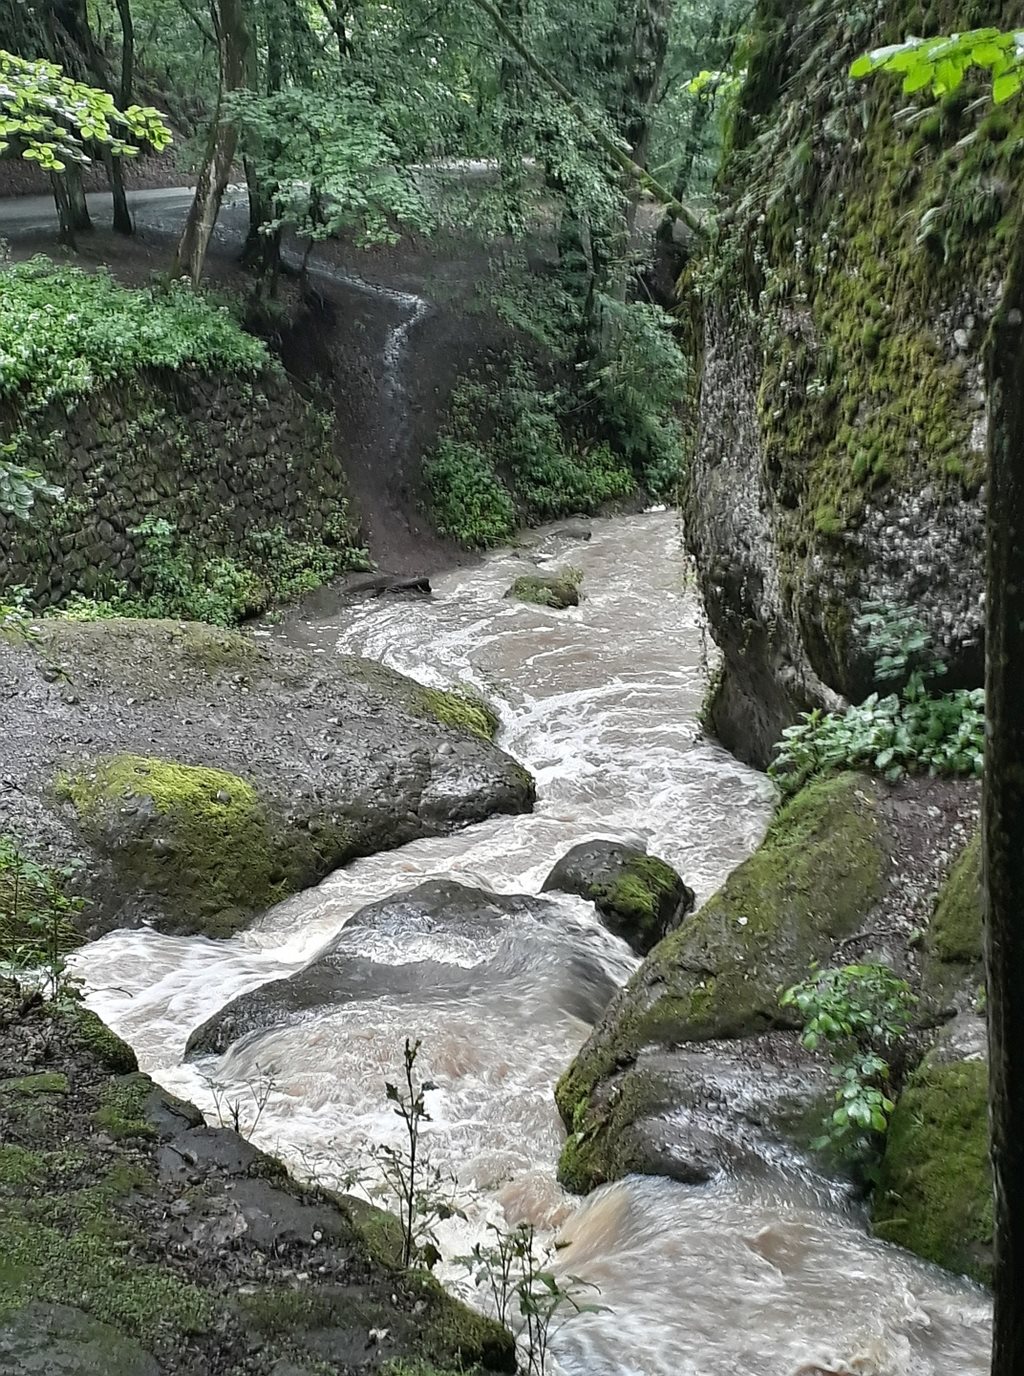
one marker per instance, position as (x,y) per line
(640,897)
(815,879)
(58,1340)
(202,776)
(699,1112)
(556,590)
(498,938)
(934,1192)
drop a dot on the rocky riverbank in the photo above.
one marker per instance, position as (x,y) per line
(137,1241)
(696,1068)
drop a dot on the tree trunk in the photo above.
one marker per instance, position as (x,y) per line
(233,49)
(115,174)
(77,206)
(1003,809)
(66,230)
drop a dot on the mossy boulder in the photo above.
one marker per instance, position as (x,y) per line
(197,776)
(952,972)
(934,1193)
(640,897)
(814,880)
(556,590)
(199,839)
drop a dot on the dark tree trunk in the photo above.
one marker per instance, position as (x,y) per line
(233,48)
(77,206)
(66,230)
(1003,809)
(115,174)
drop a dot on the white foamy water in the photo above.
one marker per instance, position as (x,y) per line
(600,703)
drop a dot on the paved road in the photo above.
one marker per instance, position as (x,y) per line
(162,209)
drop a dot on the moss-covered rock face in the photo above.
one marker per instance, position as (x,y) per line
(116,1203)
(952,974)
(199,838)
(842,424)
(934,1194)
(201,775)
(814,880)
(556,590)
(640,897)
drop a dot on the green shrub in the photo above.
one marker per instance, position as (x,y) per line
(856,1013)
(469,503)
(911,731)
(64,332)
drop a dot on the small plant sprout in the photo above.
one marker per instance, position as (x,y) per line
(525,1293)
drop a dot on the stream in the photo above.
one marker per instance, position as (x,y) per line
(766,1276)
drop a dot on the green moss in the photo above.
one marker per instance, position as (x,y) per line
(455,1335)
(813,880)
(556,590)
(934,1193)
(122,1109)
(602,1146)
(92,1269)
(955,931)
(462,711)
(46,1082)
(19,1166)
(198,837)
(95,1036)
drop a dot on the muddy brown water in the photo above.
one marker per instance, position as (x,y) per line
(766,1276)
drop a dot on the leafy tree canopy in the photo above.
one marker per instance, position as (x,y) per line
(47,117)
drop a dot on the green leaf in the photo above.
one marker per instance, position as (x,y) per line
(1005,87)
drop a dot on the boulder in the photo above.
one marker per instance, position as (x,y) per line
(816,878)
(640,898)
(556,590)
(699,1112)
(934,1193)
(498,938)
(198,776)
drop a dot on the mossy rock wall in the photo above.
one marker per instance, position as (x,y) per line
(842,420)
(241,466)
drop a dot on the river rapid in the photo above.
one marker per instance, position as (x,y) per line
(767,1276)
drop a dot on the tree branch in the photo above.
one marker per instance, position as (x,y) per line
(618,155)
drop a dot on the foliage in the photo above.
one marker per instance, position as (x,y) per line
(423,1192)
(525,1292)
(469,502)
(856,1013)
(331,162)
(20,487)
(912,731)
(219,591)
(942,63)
(64,332)
(48,118)
(38,906)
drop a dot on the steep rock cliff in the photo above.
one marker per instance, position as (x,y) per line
(841,440)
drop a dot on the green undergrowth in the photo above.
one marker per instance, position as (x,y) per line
(65,332)
(179,581)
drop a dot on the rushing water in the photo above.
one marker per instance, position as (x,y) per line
(739,1278)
